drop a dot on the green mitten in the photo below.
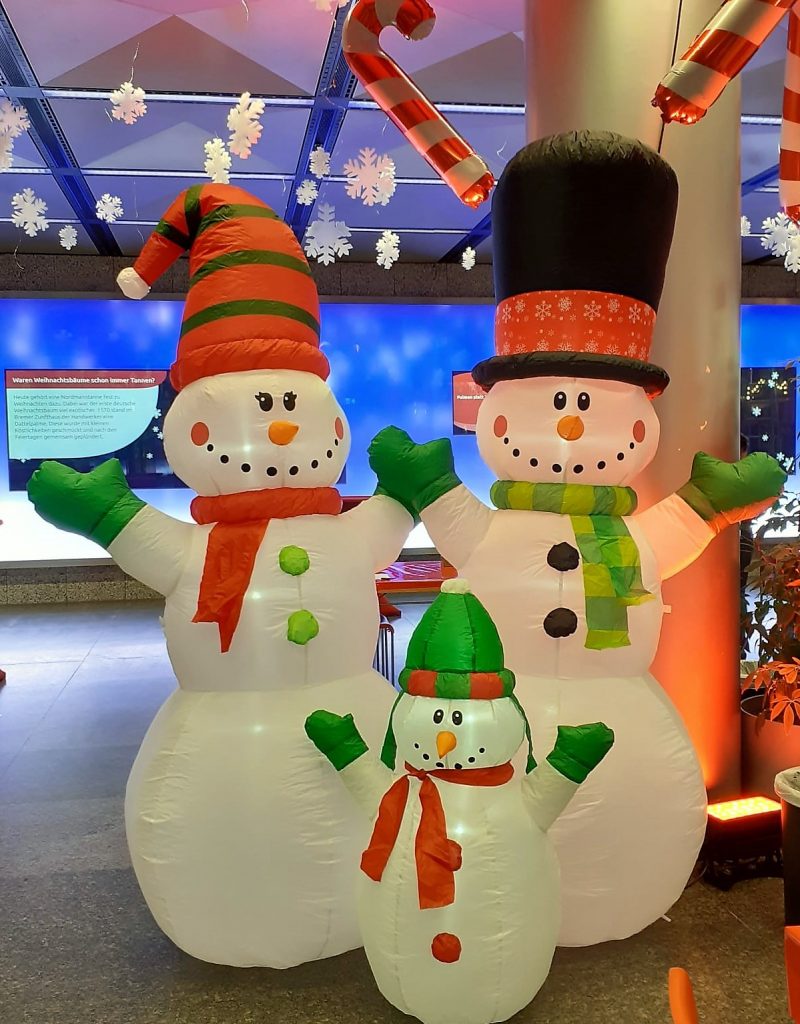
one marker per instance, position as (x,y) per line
(724,493)
(413,474)
(336,737)
(579,749)
(96,505)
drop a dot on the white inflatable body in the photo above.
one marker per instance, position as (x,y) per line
(506,908)
(245,849)
(628,841)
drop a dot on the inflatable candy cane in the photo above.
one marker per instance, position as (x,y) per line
(433,137)
(717,55)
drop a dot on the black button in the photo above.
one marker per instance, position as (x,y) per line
(560,622)
(563,557)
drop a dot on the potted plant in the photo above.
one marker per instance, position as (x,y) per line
(771,687)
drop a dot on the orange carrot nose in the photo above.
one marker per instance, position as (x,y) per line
(282,432)
(570,428)
(445,742)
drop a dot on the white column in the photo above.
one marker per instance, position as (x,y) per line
(595,64)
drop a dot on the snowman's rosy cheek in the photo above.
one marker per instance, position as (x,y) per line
(500,426)
(338,426)
(199,433)
(639,431)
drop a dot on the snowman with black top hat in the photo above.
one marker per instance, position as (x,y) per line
(568,570)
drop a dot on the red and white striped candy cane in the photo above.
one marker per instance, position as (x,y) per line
(790,127)
(433,137)
(716,56)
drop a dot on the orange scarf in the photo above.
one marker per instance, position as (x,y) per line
(436,856)
(240,522)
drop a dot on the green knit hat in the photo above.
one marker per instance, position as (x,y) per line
(455,653)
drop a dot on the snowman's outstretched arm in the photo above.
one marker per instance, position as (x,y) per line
(99,505)
(384,525)
(422,477)
(550,786)
(718,494)
(365,777)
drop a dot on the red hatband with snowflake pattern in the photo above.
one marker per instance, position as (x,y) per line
(584,322)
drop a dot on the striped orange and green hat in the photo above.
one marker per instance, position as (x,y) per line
(252,302)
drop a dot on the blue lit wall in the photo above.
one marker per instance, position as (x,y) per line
(390,363)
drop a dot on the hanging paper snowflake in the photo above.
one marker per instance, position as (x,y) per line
(792,259)
(127,103)
(244,125)
(13,120)
(68,237)
(306,192)
(6,152)
(468,258)
(745,226)
(218,161)
(388,249)
(109,208)
(326,238)
(29,212)
(319,162)
(777,232)
(370,177)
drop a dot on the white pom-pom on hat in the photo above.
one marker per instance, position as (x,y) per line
(457,585)
(132,285)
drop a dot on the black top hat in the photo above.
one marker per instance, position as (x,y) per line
(582,226)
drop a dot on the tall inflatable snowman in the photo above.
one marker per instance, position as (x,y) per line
(582,225)
(458,891)
(242,844)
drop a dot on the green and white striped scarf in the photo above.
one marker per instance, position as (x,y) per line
(612,573)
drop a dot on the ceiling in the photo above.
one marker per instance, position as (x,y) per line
(61,58)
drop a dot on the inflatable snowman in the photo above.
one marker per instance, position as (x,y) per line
(242,844)
(566,568)
(458,891)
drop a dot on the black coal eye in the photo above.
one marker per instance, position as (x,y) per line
(289,401)
(584,401)
(560,400)
(265,401)
(457,717)
(438,716)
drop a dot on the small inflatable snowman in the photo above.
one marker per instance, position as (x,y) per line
(242,844)
(566,568)
(458,892)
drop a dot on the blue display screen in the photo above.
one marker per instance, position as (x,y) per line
(390,363)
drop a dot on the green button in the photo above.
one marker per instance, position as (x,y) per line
(294,560)
(302,627)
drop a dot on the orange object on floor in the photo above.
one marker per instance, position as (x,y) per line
(791,953)
(681,997)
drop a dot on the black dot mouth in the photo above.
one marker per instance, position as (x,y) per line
(505,440)
(440,764)
(534,463)
(631,446)
(620,456)
(314,464)
(557,468)
(209,447)
(515,453)
(329,454)
(471,760)
(245,467)
(457,766)
(294,470)
(336,442)
(426,757)
(601,464)
(577,469)
(224,459)
(272,471)
(481,750)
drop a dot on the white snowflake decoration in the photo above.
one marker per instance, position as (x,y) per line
(218,161)
(468,258)
(765,437)
(127,103)
(327,238)
(745,226)
(756,410)
(68,237)
(778,230)
(319,163)
(307,191)
(6,152)
(792,259)
(148,455)
(29,212)
(109,208)
(244,125)
(13,120)
(370,177)
(388,249)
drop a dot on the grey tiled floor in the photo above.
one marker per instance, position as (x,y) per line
(78,946)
